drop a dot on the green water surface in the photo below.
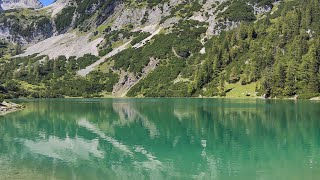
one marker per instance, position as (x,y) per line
(161,139)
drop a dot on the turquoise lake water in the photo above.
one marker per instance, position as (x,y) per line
(161,139)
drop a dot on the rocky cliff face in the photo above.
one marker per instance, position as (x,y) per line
(102,17)
(25,28)
(19,4)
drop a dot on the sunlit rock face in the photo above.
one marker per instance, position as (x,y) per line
(20,4)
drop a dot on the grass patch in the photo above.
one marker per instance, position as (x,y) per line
(117,44)
(240,91)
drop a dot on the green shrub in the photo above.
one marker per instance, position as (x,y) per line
(140,37)
(239,11)
(105,51)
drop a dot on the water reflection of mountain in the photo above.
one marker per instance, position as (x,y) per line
(157,137)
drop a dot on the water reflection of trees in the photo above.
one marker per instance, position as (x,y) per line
(238,135)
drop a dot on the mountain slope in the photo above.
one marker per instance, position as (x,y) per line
(85,16)
(207,48)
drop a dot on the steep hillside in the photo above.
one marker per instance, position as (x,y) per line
(234,48)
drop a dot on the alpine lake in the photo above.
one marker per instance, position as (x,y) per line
(161,138)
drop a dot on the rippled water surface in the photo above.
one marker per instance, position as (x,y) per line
(161,139)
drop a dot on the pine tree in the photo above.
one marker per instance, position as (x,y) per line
(222,85)
(36,70)
(313,85)
(234,76)
(290,88)
(29,67)
(267,82)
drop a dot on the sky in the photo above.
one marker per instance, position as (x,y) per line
(46,2)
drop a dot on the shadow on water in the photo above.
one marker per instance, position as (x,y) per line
(161,138)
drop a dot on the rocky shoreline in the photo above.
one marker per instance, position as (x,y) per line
(8,107)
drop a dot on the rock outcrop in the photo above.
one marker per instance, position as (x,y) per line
(8,107)
(25,31)
(20,4)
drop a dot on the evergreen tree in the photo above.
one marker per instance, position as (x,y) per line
(313,85)
(222,85)
(290,85)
